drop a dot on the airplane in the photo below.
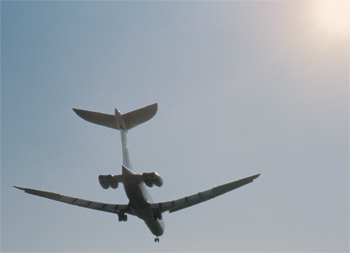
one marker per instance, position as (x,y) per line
(140,203)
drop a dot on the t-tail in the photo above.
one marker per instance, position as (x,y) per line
(122,122)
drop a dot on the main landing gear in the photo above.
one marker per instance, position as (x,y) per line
(156,239)
(157,216)
(122,216)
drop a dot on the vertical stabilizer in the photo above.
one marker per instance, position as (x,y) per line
(120,124)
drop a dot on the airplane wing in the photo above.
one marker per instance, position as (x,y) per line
(112,208)
(179,204)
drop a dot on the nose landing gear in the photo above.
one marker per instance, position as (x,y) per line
(156,239)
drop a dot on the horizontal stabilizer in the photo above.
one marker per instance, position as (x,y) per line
(117,121)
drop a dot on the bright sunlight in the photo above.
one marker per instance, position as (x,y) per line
(333,16)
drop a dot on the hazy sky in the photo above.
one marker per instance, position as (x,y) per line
(242,87)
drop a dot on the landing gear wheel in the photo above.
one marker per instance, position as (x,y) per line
(122,217)
(157,216)
(156,239)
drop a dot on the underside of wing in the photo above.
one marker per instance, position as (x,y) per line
(112,208)
(178,204)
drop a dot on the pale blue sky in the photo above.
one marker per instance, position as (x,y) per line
(242,88)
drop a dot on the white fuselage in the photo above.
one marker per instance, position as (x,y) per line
(136,191)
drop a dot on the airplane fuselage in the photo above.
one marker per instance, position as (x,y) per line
(139,197)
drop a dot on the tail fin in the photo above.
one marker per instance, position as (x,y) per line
(119,121)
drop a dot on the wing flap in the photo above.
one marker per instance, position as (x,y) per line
(176,205)
(100,206)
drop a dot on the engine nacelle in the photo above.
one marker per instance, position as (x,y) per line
(107,181)
(152,178)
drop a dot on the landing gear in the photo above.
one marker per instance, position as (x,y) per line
(122,217)
(157,215)
(156,239)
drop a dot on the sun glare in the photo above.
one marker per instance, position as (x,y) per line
(333,16)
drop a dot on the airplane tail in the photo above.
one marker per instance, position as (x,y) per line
(119,121)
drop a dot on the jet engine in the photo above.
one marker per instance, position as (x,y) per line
(152,178)
(107,181)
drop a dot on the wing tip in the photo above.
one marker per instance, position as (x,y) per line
(254,177)
(20,188)
(78,111)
